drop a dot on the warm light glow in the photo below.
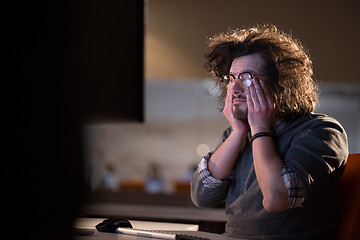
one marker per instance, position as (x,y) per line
(202,149)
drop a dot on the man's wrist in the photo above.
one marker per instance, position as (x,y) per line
(261,134)
(239,136)
(259,130)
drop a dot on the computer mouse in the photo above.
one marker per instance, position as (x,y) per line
(111,224)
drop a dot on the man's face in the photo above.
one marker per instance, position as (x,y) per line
(252,63)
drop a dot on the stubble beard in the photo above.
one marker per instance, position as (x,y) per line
(239,114)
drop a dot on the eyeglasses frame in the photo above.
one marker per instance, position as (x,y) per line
(252,75)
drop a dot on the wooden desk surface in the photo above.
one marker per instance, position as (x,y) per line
(89,224)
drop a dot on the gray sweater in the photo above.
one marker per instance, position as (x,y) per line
(315,147)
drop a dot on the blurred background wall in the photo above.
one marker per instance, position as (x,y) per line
(181,120)
(176,33)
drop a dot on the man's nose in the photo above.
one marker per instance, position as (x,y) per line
(238,87)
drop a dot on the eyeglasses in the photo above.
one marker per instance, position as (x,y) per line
(244,78)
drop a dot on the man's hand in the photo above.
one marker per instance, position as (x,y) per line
(236,124)
(261,107)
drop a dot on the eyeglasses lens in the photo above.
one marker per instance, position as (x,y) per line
(246,79)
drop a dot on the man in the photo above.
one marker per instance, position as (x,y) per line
(279,163)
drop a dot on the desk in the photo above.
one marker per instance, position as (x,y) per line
(89,224)
(209,220)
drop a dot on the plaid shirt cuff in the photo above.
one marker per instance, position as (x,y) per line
(205,175)
(296,193)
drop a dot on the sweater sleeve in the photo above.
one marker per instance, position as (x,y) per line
(204,196)
(207,191)
(317,155)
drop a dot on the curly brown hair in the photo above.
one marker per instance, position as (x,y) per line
(288,66)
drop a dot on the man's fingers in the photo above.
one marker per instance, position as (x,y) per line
(268,97)
(249,100)
(259,92)
(228,99)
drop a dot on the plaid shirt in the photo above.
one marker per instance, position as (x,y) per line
(296,195)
